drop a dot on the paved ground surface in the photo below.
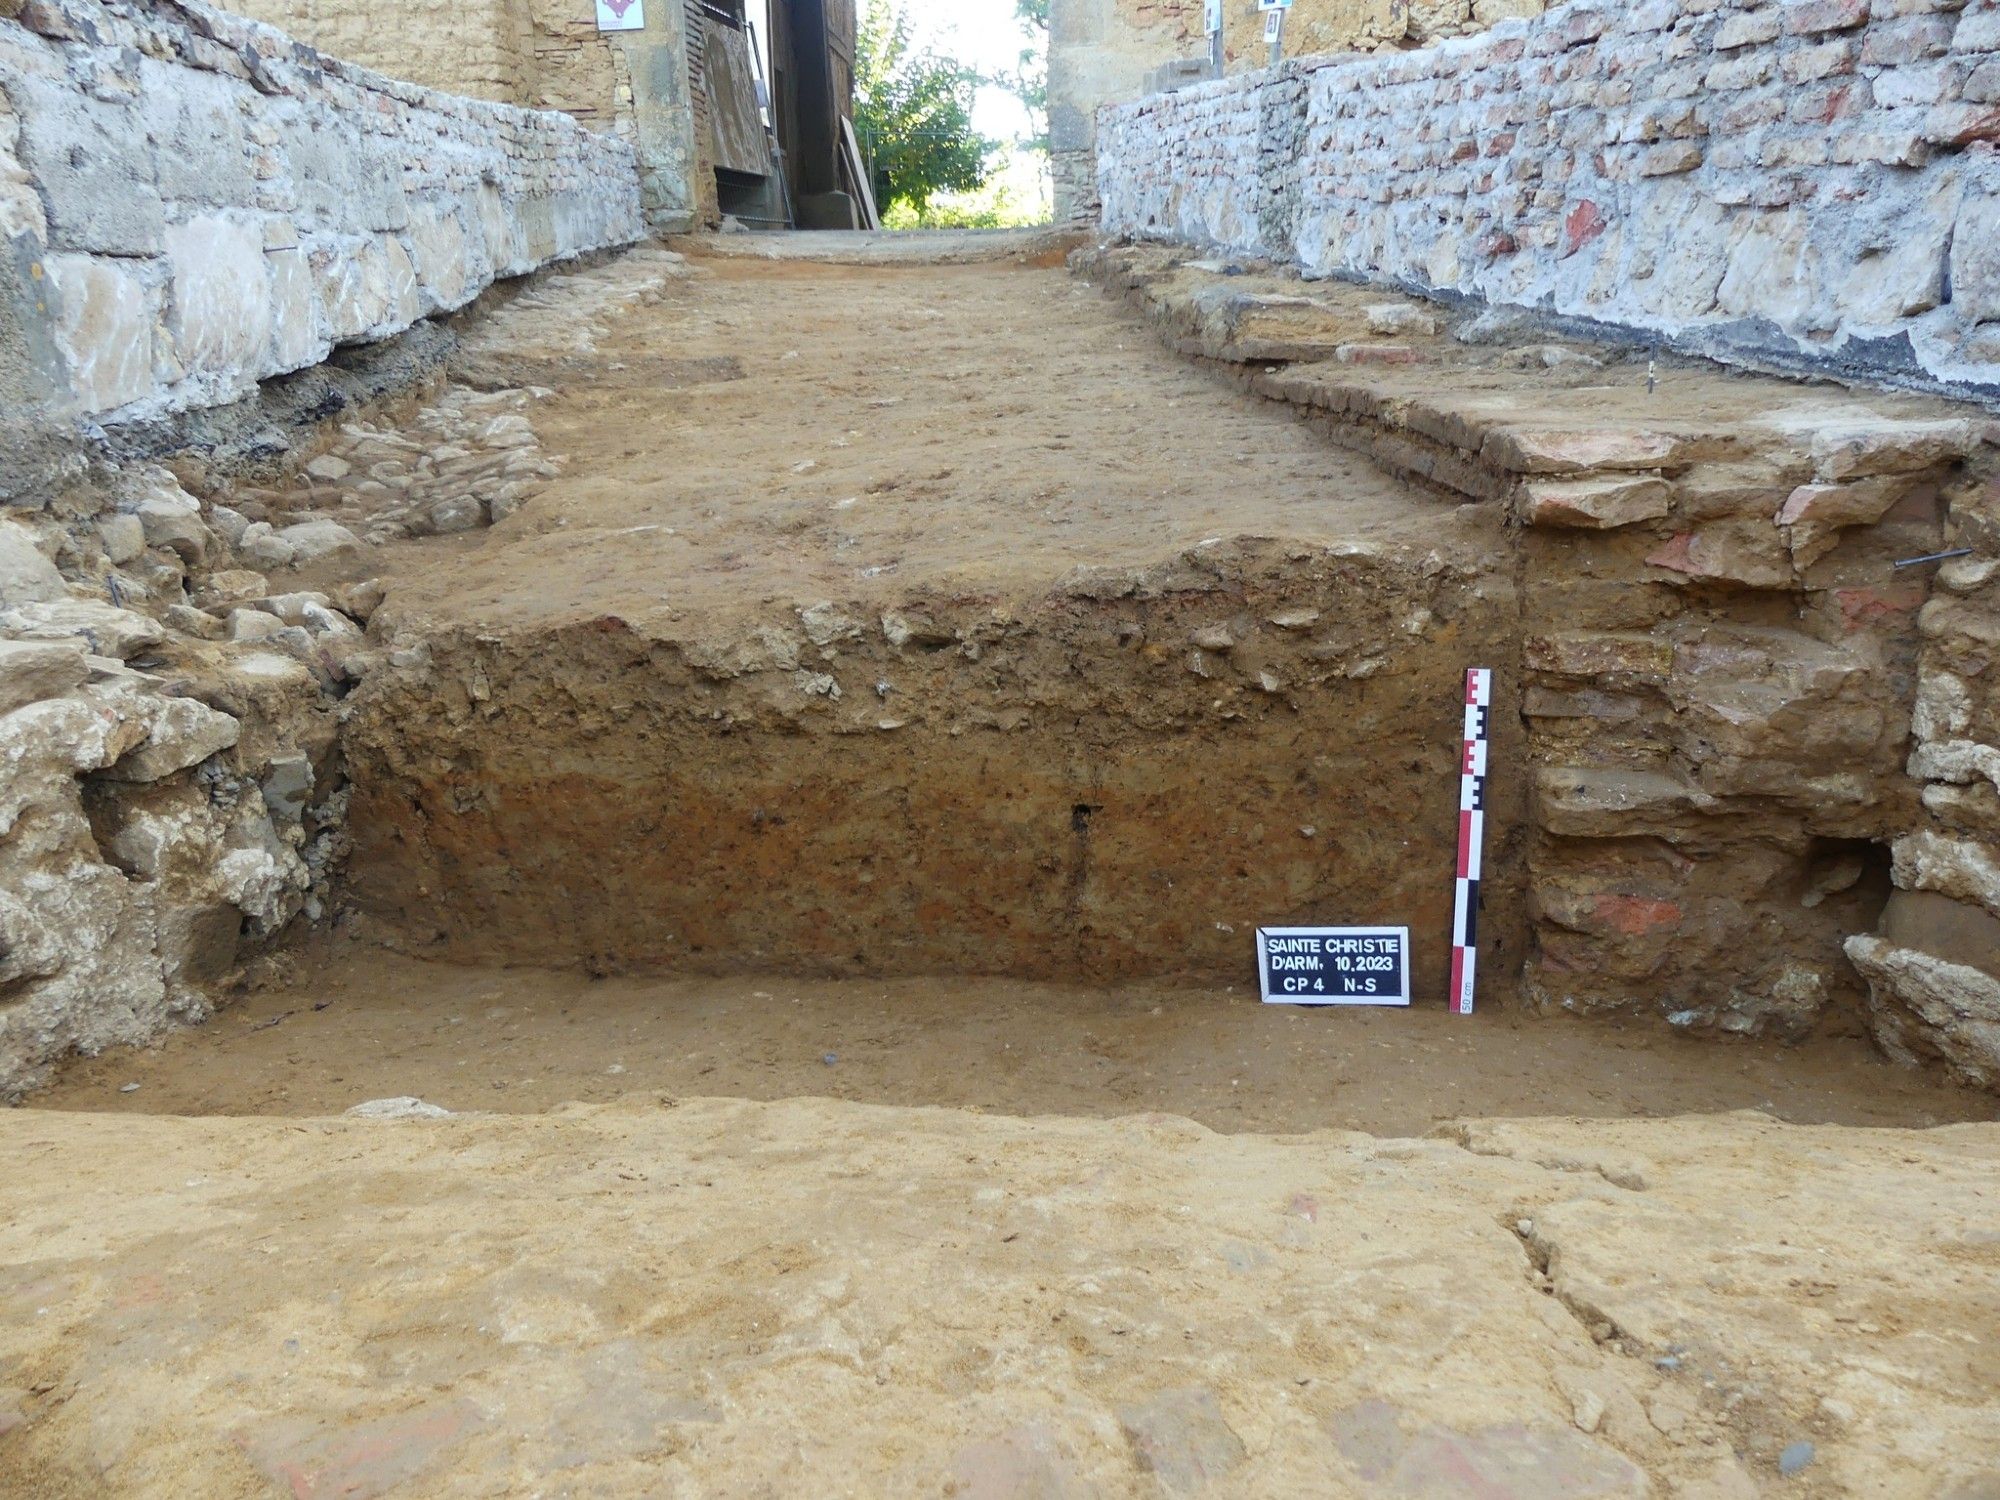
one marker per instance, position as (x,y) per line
(355,1023)
(725,1298)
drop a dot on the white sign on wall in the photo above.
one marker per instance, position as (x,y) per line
(1213,17)
(621,15)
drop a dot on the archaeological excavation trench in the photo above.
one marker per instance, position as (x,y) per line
(630,857)
(1022,669)
(777,840)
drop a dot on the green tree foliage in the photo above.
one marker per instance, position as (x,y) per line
(1028,79)
(913,114)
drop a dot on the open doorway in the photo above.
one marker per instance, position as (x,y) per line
(777,85)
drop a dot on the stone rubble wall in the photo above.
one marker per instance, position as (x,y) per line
(173,786)
(1756,749)
(1933,968)
(1812,184)
(171,794)
(191,203)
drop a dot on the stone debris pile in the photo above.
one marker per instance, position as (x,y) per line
(171,793)
(469,460)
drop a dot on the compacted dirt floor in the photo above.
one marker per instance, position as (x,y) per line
(356,1023)
(1023,1238)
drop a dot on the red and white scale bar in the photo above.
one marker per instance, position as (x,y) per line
(1471,838)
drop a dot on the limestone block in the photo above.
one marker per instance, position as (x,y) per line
(105,319)
(1923,1008)
(1944,706)
(109,990)
(123,538)
(221,306)
(159,833)
(176,525)
(1597,504)
(26,576)
(1746,552)
(1902,276)
(180,733)
(443,254)
(1959,868)
(261,544)
(1959,762)
(1814,515)
(195,115)
(1858,449)
(1770,274)
(31,671)
(296,340)
(93,163)
(1970,809)
(311,541)
(1576,452)
(1626,660)
(257,882)
(352,285)
(1975,259)
(48,744)
(119,633)
(1586,802)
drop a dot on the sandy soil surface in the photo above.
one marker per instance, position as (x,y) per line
(360,1024)
(818,1298)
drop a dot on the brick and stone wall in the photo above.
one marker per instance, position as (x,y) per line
(1112,51)
(1812,184)
(191,203)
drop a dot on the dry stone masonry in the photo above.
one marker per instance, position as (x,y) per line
(191,203)
(1934,968)
(1811,184)
(170,792)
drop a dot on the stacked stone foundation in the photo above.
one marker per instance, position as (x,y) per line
(1754,747)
